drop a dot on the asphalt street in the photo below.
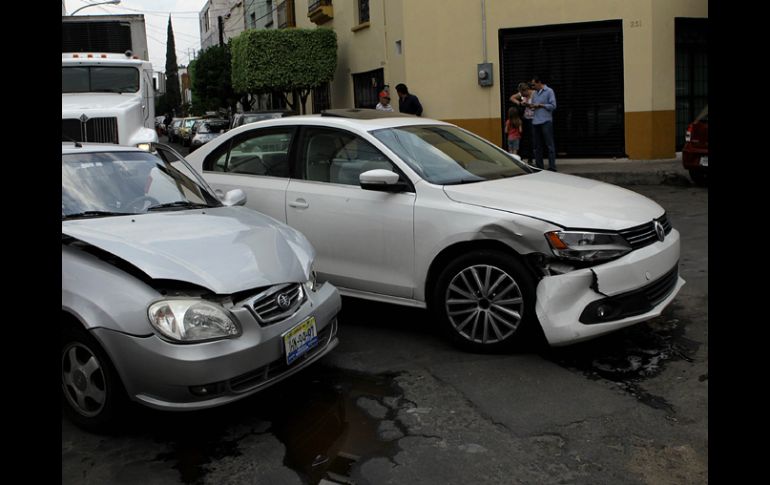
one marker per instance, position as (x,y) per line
(395,403)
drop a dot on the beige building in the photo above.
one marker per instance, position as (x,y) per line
(628,74)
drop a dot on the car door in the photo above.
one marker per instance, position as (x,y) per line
(364,239)
(256,161)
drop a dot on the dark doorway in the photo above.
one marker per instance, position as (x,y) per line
(583,64)
(366,86)
(691,72)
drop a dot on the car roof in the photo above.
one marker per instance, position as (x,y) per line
(68,147)
(362,122)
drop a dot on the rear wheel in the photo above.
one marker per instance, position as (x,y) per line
(91,390)
(486,301)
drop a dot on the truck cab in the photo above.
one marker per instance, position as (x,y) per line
(107,98)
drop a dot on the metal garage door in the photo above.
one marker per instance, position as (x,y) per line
(583,63)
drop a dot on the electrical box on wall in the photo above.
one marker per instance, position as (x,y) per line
(484,72)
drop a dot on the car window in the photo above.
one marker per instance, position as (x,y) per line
(258,152)
(339,157)
(449,155)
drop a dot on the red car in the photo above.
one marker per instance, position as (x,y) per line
(695,154)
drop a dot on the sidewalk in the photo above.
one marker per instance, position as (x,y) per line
(623,171)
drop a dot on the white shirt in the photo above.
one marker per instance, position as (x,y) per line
(383,107)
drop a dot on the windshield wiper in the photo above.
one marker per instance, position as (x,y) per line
(94,214)
(465,181)
(181,204)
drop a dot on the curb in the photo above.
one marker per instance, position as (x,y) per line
(659,177)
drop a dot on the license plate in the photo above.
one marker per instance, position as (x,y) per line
(300,339)
(704,161)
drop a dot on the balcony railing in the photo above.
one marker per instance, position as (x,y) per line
(286,14)
(320,11)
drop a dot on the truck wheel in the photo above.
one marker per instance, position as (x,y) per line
(485,301)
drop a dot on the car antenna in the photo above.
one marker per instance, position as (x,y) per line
(77,144)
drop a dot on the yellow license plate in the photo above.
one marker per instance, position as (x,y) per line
(300,339)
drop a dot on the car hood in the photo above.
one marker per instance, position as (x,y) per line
(566,200)
(90,101)
(226,249)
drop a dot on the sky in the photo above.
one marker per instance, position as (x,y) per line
(184,21)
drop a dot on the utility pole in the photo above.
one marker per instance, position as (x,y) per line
(220,22)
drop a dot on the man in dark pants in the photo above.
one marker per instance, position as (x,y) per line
(408,103)
(543,102)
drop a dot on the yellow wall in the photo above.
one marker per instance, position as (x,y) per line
(442,45)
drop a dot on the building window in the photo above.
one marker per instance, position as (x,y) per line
(269,14)
(366,86)
(321,98)
(253,20)
(206,21)
(363,11)
(286,14)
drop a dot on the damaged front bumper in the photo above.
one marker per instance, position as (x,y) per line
(589,302)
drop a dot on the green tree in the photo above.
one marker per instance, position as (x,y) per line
(173,98)
(211,82)
(291,61)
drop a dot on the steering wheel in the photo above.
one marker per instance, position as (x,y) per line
(141,203)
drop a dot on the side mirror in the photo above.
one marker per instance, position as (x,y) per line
(381,180)
(234,197)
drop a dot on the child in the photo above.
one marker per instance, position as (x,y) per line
(513,128)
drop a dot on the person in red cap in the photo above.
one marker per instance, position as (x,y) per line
(384,104)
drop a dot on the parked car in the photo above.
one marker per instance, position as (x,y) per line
(252,116)
(206,130)
(422,213)
(695,153)
(173,130)
(172,298)
(185,130)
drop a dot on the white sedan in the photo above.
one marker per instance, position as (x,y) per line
(422,213)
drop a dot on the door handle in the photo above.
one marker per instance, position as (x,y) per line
(299,204)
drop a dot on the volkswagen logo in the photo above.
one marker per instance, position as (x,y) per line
(283,301)
(659,231)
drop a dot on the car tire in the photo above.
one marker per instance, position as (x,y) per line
(485,301)
(699,177)
(92,394)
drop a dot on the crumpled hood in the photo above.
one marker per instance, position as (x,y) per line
(226,249)
(566,200)
(93,102)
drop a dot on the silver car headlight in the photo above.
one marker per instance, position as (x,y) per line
(587,246)
(312,283)
(192,320)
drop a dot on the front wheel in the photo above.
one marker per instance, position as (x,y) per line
(486,301)
(92,392)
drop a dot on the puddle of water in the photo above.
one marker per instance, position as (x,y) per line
(316,414)
(629,356)
(324,429)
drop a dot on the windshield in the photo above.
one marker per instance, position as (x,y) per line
(99,79)
(117,183)
(446,155)
(213,127)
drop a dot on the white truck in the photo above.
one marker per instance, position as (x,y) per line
(107,87)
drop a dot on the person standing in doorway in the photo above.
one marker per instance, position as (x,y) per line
(384,104)
(522,99)
(543,102)
(408,103)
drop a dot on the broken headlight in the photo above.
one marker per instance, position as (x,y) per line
(192,320)
(587,246)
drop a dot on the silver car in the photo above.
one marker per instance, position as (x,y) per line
(172,298)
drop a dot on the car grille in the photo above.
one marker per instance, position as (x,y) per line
(658,290)
(274,369)
(100,130)
(277,303)
(644,234)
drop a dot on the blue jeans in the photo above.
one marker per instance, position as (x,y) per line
(544,132)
